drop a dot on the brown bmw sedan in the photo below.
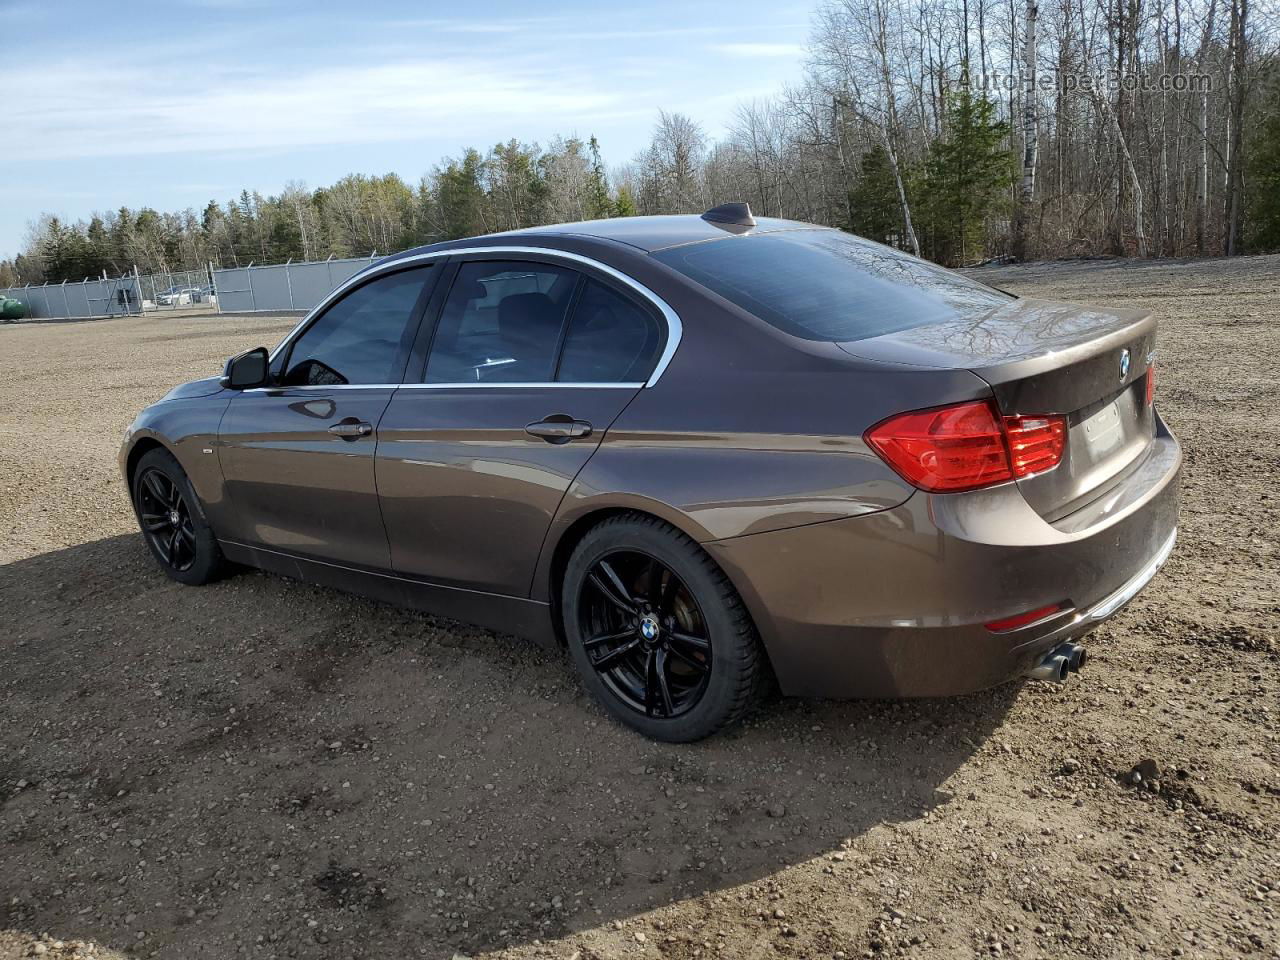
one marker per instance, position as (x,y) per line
(708,454)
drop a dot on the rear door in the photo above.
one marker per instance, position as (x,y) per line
(529,362)
(297,457)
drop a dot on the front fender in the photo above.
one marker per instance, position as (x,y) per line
(188,429)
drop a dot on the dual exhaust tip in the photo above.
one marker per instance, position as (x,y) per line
(1059,663)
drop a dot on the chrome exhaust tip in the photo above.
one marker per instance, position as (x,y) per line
(1054,667)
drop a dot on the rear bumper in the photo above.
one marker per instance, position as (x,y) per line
(893,604)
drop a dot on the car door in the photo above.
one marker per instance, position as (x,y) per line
(529,362)
(297,456)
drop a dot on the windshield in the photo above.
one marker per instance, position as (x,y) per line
(827,285)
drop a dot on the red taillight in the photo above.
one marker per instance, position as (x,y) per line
(967,446)
(1035,443)
(1023,619)
(946,449)
(1151,385)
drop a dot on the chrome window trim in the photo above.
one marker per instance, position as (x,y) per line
(675,329)
(560,385)
(557,384)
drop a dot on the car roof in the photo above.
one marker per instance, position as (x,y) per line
(660,232)
(644,233)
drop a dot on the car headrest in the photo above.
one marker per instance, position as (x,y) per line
(469,289)
(528,316)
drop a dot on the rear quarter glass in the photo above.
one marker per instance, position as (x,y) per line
(830,286)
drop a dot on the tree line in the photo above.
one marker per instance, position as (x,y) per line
(961,130)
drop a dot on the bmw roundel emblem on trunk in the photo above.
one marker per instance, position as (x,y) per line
(1124,363)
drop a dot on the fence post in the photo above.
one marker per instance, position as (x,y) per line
(253,298)
(137,288)
(288,279)
(66,308)
(328,269)
(213,289)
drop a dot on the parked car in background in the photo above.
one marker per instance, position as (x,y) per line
(174,297)
(707,454)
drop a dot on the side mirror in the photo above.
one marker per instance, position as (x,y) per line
(247,370)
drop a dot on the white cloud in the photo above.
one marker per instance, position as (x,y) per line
(505,25)
(760,49)
(73,110)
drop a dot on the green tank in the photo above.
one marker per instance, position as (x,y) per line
(11,309)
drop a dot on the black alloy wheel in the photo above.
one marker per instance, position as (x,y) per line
(659,635)
(644,634)
(166,519)
(173,521)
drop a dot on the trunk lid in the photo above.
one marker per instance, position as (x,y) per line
(1041,356)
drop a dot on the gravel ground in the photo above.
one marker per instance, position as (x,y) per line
(264,769)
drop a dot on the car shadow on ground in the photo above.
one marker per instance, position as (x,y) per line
(267,766)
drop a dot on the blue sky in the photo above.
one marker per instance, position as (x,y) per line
(173,104)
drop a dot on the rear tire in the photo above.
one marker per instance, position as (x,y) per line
(657,632)
(172,521)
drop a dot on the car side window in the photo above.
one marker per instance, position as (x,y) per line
(501,323)
(611,339)
(363,338)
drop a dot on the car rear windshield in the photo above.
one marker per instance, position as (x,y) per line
(828,285)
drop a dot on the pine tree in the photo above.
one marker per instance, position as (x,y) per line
(98,252)
(624,205)
(122,243)
(1262,223)
(875,210)
(460,196)
(599,206)
(56,251)
(965,178)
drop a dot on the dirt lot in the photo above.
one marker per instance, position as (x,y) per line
(264,769)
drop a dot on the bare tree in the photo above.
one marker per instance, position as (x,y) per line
(1030,134)
(1238,46)
(672,165)
(297,199)
(852,49)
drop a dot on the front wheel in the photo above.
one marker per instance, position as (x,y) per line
(173,522)
(658,633)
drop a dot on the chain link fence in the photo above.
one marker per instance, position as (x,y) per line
(282,287)
(173,291)
(128,295)
(88,298)
(271,288)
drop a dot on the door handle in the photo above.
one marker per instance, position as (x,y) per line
(559,429)
(351,428)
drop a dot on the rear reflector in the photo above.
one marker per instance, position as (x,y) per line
(1023,619)
(1151,385)
(967,446)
